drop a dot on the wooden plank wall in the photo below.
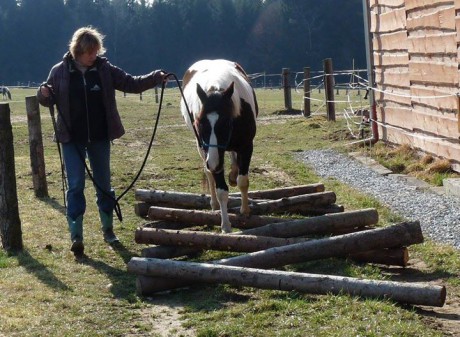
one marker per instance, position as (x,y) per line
(416,52)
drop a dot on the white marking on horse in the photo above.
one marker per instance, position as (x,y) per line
(212,159)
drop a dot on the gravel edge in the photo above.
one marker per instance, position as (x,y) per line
(439,215)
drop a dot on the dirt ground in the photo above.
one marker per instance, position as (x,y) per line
(445,318)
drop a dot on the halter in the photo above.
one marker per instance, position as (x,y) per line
(205,145)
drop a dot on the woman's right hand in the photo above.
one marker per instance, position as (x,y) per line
(45,91)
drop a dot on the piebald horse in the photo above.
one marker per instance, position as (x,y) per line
(223,110)
(5,92)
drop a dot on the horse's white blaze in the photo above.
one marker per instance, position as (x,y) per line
(213,153)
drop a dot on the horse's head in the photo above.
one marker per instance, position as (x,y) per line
(214,124)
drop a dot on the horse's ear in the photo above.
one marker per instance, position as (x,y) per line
(201,93)
(229,91)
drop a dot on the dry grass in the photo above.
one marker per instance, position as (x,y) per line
(44,292)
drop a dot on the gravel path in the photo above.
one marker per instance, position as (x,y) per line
(439,215)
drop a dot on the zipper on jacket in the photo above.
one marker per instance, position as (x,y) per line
(86,105)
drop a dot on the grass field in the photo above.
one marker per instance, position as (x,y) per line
(45,292)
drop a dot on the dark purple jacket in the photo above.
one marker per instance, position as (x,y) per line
(112,78)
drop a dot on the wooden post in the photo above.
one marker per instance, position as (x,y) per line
(37,159)
(306,92)
(287,90)
(399,235)
(10,224)
(156,95)
(329,88)
(413,293)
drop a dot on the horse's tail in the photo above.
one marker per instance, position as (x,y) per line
(8,93)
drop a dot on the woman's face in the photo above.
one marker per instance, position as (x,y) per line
(87,58)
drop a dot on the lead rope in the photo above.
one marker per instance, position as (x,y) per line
(117,207)
(63,172)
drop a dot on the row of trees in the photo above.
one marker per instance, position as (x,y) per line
(262,35)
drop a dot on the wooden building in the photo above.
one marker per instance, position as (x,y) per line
(415,46)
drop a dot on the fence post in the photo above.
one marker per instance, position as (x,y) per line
(287,90)
(329,88)
(37,158)
(10,224)
(156,95)
(306,92)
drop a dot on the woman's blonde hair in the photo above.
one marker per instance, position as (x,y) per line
(86,39)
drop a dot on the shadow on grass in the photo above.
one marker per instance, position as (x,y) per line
(54,204)
(122,285)
(40,271)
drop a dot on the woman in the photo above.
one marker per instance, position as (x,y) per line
(83,87)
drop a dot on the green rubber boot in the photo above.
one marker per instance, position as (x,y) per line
(76,235)
(107,227)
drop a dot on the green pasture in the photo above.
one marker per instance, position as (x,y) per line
(45,292)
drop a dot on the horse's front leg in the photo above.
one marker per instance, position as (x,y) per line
(215,204)
(222,197)
(244,159)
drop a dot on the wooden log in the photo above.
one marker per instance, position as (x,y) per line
(403,234)
(209,240)
(388,256)
(142,209)
(202,201)
(194,242)
(321,225)
(312,211)
(283,192)
(179,199)
(210,218)
(411,293)
(310,201)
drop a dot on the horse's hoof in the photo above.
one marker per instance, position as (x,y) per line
(226,230)
(245,211)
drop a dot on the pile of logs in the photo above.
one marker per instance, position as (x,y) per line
(272,242)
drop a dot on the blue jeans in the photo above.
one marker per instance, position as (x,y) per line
(98,153)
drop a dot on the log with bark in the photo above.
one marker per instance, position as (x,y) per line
(179,243)
(308,201)
(403,234)
(283,192)
(209,218)
(411,293)
(179,199)
(321,225)
(209,240)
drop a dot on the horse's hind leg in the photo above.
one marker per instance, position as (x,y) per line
(232,176)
